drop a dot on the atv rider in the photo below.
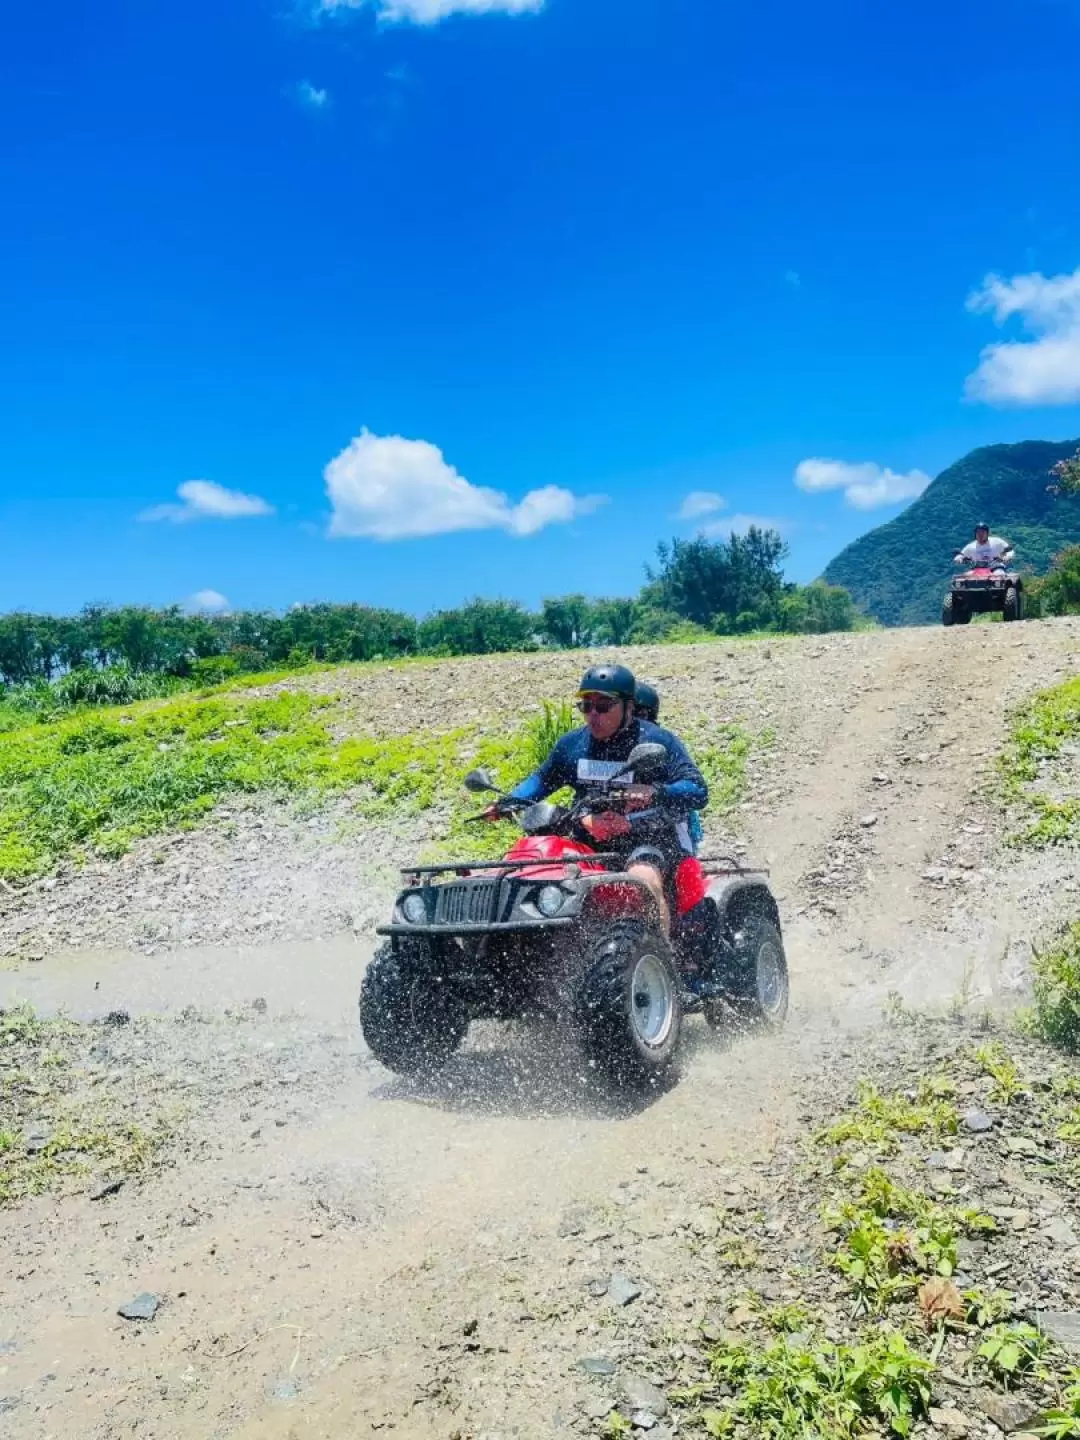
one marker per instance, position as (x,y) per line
(647,707)
(985,549)
(652,834)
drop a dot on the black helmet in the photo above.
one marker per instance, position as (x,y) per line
(981,525)
(614,680)
(646,702)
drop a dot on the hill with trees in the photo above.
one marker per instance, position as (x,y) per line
(899,572)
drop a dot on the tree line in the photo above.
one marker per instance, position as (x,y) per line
(695,589)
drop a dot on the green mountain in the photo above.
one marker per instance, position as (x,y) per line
(899,572)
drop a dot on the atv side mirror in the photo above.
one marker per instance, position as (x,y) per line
(645,761)
(480,781)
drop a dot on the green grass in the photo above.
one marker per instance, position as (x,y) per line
(1038,732)
(878,1121)
(892,1238)
(85,1128)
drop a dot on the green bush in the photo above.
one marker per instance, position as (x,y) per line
(1055,1014)
(1057,592)
(482,627)
(111,685)
(215,670)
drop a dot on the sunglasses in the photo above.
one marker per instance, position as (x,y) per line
(602,707)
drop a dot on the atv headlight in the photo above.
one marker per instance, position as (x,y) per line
(550,900)
(413,908)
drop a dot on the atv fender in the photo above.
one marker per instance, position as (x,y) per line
(737,896)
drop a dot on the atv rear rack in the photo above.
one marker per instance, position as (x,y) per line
(728,865)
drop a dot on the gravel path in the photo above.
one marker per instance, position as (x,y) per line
(339,1252)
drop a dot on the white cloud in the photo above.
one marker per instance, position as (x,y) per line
(430,12)
(206,500)
(310,96)
(389,488)
(740,523)
(701,502)
(866,486)
(793,278)
(1042,371)
(208,601)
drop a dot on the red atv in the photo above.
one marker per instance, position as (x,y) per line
(560,928)
(983,589)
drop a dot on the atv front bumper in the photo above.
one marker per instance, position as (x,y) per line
(495,927)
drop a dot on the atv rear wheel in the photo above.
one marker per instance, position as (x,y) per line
(760,988)
(1013,605)
(630,1013)
(411,1018)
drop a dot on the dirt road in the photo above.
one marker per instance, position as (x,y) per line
(338,1252)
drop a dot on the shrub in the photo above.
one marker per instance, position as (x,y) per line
(1055,1014)
(112,685)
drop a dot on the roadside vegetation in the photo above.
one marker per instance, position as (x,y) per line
(909,1303)
(1040,769)
(62,1122)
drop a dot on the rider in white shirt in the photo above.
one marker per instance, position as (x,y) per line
(985,549)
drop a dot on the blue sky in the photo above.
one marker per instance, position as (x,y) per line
(391,302)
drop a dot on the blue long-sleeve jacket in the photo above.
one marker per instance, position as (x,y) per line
(578,759)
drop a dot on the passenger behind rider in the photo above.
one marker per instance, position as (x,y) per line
(650,836)
(647,707)
(985,549)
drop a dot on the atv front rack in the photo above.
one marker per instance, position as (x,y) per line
(461,868)
(711,864)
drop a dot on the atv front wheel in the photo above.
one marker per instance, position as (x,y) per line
(954,611)
(630,1013)
(411,1018)
(1013,605)
(760,987)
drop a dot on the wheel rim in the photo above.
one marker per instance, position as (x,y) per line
(771,978)
(652,1001)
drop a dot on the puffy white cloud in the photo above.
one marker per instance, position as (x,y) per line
(430,12)
(866,486)
(388,488)
(311,97)
(206,500)
(701,502)
(210,602)
(1041,371)
(738,524)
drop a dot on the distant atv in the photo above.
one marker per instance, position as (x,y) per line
(982,590)
(560,928)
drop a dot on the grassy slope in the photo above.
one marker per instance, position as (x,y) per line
(900,571)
